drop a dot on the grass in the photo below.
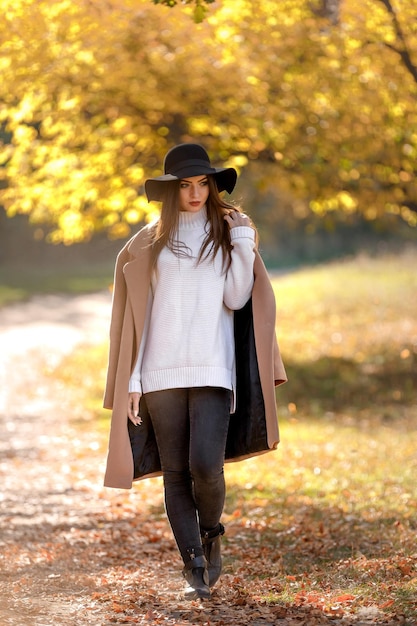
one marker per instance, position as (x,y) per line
(332,513)
(348,331)
(19,284)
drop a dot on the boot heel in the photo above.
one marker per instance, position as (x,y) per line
(197,578)
(211,540)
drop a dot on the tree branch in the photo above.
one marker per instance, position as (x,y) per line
(404,52)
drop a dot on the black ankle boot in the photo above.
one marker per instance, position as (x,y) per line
(196,575)
(211,540)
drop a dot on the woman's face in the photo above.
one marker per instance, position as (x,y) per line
(194,192)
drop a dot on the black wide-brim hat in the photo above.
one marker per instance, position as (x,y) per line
(184,161)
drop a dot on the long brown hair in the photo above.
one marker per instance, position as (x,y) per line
(218,235)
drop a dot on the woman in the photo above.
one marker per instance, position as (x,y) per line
(193,355)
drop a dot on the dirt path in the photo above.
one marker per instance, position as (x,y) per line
(71,552)
(42,493)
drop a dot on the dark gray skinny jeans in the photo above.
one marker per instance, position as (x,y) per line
(191,430)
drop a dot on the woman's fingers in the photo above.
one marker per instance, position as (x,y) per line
(236,218)
(133,408)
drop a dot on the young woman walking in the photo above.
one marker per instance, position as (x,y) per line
(193,355)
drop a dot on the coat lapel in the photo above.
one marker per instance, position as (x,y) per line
(137,273)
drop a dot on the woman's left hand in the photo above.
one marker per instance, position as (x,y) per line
(236,218)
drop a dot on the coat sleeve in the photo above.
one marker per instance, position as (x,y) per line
(116,325)
(280,375)
(264,307)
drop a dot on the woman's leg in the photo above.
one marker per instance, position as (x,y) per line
(170,418)
(209,415)
(209,410)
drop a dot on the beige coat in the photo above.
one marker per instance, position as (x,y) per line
(131,289)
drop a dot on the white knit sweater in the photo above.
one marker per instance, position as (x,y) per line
(188,337)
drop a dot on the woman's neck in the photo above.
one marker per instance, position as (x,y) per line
(189,219)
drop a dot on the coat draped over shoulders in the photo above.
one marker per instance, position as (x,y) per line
(132,452)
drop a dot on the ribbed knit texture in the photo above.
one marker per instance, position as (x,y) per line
(188,339)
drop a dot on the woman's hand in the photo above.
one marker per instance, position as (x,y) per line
(133,408)
(236,218)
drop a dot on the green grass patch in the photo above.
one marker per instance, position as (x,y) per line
(348,332)
(17,285)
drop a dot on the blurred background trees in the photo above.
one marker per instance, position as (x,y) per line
(314,101)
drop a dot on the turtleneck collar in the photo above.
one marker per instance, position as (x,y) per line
(189,220)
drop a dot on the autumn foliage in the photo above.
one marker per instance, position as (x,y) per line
(93,93)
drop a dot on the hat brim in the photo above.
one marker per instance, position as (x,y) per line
(225,178)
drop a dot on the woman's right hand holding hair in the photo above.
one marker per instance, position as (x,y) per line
(237,218)
(133,408)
